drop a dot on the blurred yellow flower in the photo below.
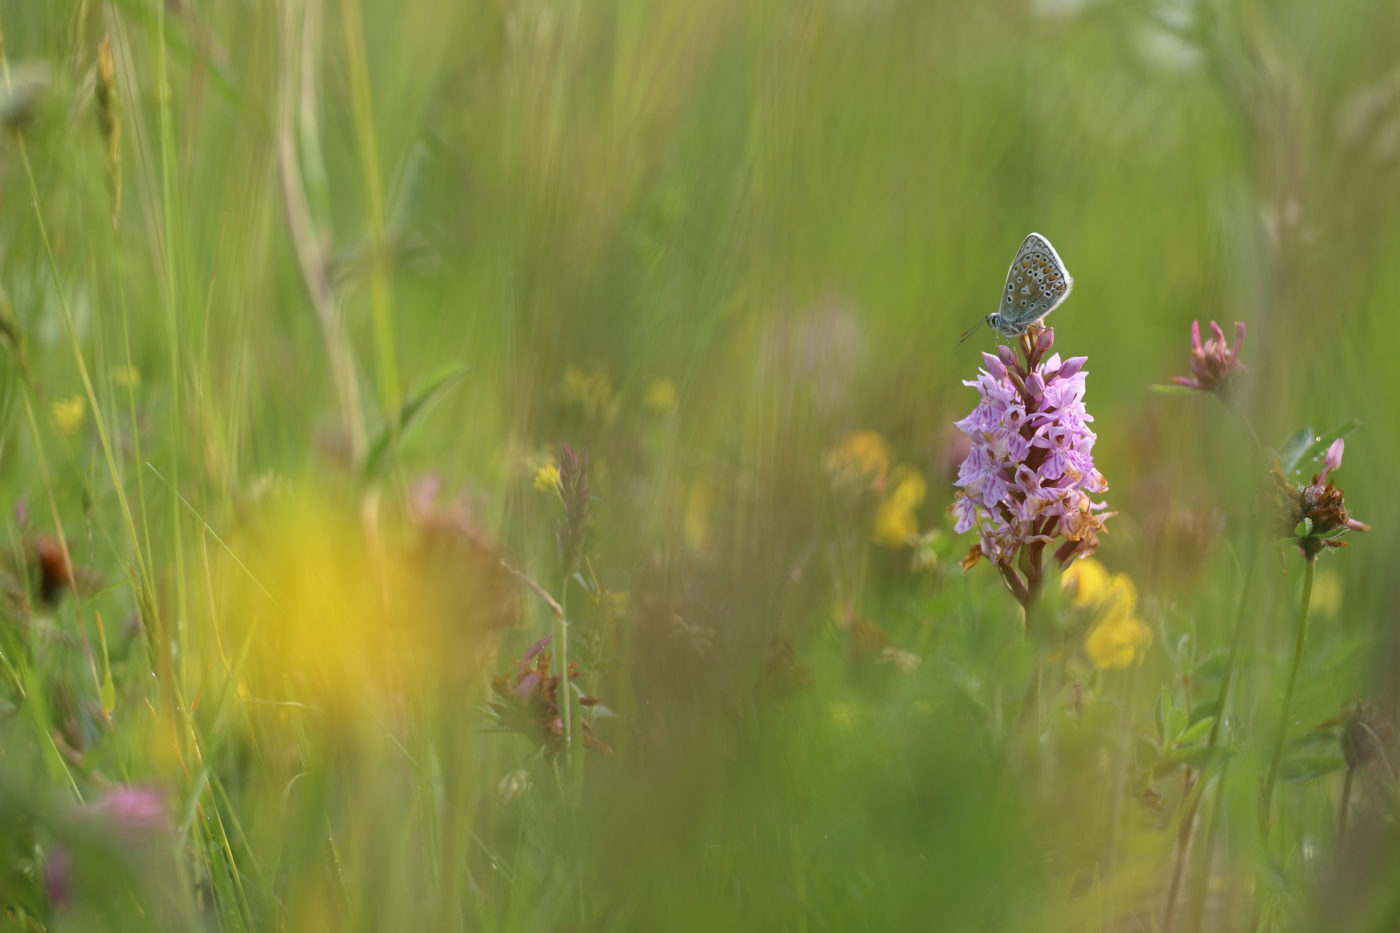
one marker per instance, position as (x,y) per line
(547,478)
(1327,593)
(896,521)
(698,507)
(126,377)
(843,715)
(1120,598)
(1118,641)
(589,389)
(68,413)
(350,615)
(862,459)
(660,396)
(1086,582)
(1117,637)
(618,604)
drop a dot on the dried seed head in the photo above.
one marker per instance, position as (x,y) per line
(1314,516)
(526,700)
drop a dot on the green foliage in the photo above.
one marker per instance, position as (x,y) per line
(267,555)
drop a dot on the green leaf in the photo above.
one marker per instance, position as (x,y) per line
(1170,720)
(1291,451)
(1209,670)
(1309,767)
(1194,757)
(1319,446)
(1313,742)
(1196,732)
(1203,711)
(435,382)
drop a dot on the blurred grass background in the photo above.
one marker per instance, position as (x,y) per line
(704,243)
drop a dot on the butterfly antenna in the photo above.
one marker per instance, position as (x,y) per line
(969,332)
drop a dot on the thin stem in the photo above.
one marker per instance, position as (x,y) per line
(555,609)
(1236,637)
(1188,828)
(1346,805)
(380,290)
(1184,839)
(565,690)
(302,229)
(1244,419)
(1266,802)
(1030,705)
(1202,886)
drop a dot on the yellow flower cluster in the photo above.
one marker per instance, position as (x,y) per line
(1117,638)
(547,478)
(590,390)
(897,520)
(862,461)
(126,377)
(68,414)
(660,396)
(698,506)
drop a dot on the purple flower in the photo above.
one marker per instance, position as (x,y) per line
(131,812)
(1212,363)
(127,823)
(1332,460)
(1028,480)
(58,876)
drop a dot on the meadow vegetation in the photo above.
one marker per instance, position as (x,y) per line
(510,465)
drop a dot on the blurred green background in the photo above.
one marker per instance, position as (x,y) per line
(703,242)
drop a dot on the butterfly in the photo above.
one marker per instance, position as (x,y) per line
(1036,283)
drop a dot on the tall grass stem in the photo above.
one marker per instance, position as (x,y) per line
(1266,801)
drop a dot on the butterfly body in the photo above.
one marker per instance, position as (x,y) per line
(1036,283)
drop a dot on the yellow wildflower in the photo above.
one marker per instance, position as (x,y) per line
(618,604)
(1086,582)
(1117,637)
(68,413)
(589,389)
(896,521)
(1120,598)
(862,460)
(126,377)
(843,715)
(697,514)
(547,478)
(660,396)
(1327,593)
(1118,641)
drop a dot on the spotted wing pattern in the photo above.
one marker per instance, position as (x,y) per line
(1036,283)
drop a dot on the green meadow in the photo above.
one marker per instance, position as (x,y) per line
(494,466)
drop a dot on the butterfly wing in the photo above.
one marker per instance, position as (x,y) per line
(1036,283)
